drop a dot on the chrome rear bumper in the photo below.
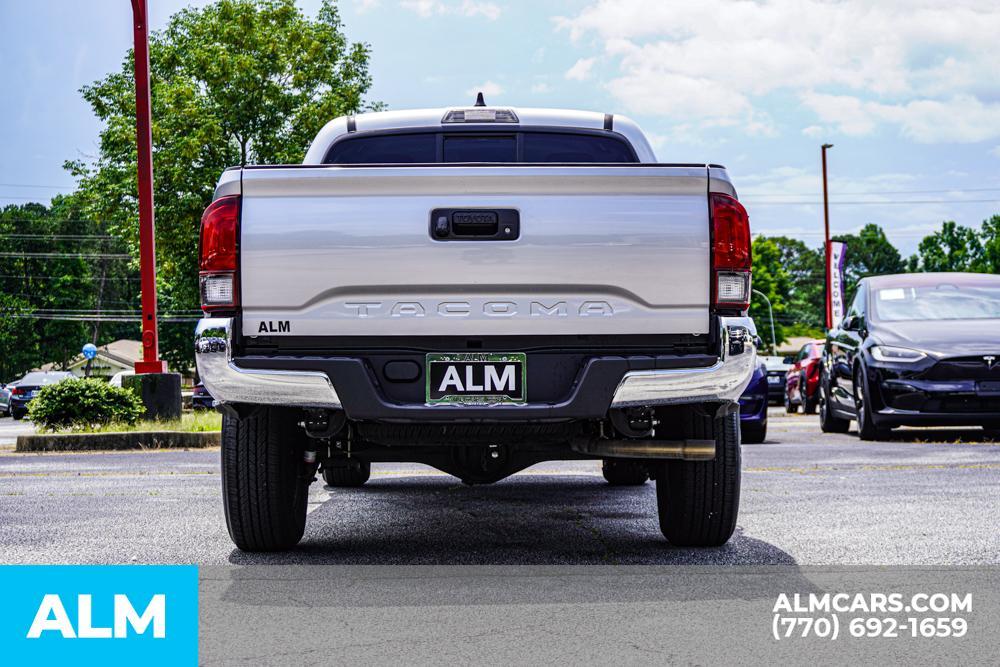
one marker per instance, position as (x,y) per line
(724,380)
(228,383)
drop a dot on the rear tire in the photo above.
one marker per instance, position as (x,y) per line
(17,415)
(354,473)
(790,408)
(624,472)
(264,489)
(698,501)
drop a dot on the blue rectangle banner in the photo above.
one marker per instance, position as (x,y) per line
(99,614)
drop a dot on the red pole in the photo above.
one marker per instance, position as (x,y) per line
(151,362)
(826,244)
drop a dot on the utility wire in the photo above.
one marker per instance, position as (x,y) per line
(876,203)
(879,192)
(81,278)
(36,185)
(60,237)
(66,255)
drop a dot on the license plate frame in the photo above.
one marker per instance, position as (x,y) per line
(435,368)
(988,388)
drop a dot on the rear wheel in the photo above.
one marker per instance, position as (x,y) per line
(808,404)
(624,472)
(349,473)
(264,485)
(790,408)
(698,500)
(17,414)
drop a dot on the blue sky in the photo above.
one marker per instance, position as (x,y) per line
(907,91)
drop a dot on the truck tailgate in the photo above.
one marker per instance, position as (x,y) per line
(349,251)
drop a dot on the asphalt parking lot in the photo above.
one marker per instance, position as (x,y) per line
(926,497)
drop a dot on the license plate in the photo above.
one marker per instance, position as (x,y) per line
(989,388)
(773,379)
(476,378)
(32,394)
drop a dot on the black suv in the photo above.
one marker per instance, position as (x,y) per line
(914,349)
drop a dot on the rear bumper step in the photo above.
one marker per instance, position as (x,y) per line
(604,383)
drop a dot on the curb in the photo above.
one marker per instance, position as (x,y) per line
(82,442)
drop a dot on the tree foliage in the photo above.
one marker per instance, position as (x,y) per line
(869,253)
(990,237)
(54,265)
(806,297)
(771,279)
(235,82)
(952,248)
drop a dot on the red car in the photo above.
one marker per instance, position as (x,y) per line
(802,379)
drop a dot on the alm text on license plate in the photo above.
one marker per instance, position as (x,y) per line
(475,378)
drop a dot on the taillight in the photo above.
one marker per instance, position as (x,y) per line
(18,391)
(219,262)
(730,252)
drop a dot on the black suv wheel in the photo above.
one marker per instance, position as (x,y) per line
(828,422)
(867,430)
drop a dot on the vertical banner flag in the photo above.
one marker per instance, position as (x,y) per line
(837,252)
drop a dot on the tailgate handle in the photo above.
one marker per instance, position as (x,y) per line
(451,224)
(475,223)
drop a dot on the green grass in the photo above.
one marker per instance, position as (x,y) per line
(190,422)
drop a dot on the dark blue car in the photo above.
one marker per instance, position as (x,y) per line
(753,407)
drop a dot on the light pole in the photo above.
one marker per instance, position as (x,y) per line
(151,362)
(160,391)
(826,243)
(770,314)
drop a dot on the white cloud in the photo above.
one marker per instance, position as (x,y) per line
(488,89)
(813,131)
(540,87)
(855,65)
(959,119)
(580,71)
(365,5)
(469,8)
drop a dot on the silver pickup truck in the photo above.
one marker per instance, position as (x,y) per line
(478,289)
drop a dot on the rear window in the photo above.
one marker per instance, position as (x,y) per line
(497,148)
(385,149)
(433,147)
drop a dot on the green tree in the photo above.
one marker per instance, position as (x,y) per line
(771,279)
(805,267)
(990,238)
(56,271)
(236,82)
(952,248)
(869,253)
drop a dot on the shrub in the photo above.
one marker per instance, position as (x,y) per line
(83,403)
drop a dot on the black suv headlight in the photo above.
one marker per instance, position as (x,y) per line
(896,355)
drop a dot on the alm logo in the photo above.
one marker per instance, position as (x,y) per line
(99,615)
(52,617)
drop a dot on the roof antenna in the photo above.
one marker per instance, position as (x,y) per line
(480,102)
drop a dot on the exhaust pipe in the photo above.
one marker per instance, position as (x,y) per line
(688,450)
